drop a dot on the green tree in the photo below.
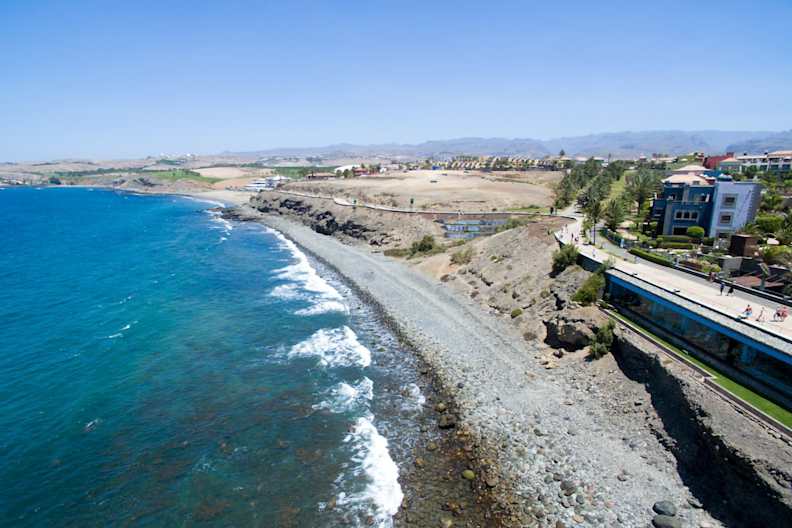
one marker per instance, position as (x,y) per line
(769,223)
(593,216)
(614,214)
(771,200)
(641,185)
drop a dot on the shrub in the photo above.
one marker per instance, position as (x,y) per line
(673,238)
(463,256)
(590,291)
(777,254)
(425,245)
(708,241)
(769,223)
(564,257)
(651,257)
(517,312)
(676,245)
(602,340)
(695,232)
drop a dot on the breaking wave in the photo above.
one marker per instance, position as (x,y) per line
(381,497)
(304,279)
(337,347)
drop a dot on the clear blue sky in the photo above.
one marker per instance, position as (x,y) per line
(126,79)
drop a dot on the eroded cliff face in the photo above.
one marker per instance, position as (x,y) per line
(739,469)
(350,224)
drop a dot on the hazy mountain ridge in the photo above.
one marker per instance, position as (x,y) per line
(775,141)
(619,144)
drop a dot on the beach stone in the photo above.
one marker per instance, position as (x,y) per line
(666,521)
(431,446)
(468,474)
(665,508)
(695,503)
(446,421)
(440,407)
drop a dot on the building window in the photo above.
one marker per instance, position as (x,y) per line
(729,201)
(725,219)
(686,215)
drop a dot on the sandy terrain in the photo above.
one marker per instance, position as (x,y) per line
(439,189)
(227,197)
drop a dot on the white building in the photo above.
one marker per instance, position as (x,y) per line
(778,161)
(734,204)
(268,183)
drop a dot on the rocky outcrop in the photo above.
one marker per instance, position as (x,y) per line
(350,224)
(572,329)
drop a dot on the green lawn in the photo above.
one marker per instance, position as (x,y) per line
(299,172)
(180,174)
(742,392)
(617,187)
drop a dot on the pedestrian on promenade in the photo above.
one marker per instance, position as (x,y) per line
(760,318)
(747,312)
(731,290)
(723,285)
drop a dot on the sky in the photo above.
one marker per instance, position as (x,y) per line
(103,79)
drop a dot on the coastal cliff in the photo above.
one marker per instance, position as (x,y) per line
(523,399)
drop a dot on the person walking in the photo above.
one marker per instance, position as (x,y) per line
(723,285)
(731,290)
(760,318)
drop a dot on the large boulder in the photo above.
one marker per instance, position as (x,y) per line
(572,329)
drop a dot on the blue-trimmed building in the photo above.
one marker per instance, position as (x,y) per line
(708,199)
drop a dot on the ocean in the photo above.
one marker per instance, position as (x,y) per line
(162,366)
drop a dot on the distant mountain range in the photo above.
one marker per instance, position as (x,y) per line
(617,144)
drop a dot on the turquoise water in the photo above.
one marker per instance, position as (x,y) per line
(160,366)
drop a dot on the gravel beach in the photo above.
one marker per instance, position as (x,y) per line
(548,453)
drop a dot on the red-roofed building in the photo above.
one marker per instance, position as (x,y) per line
(712,162)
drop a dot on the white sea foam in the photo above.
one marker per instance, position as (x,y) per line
(337,347)
(323,307)
(414,400)
(221,222)
(345,397)
(325,298)
(382,495)
(123,329)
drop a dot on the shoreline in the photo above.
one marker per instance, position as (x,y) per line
(542,450)
(443,452)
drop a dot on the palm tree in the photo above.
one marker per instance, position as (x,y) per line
(641,185)
(593,215)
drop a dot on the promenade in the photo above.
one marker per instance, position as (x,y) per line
(683,285)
